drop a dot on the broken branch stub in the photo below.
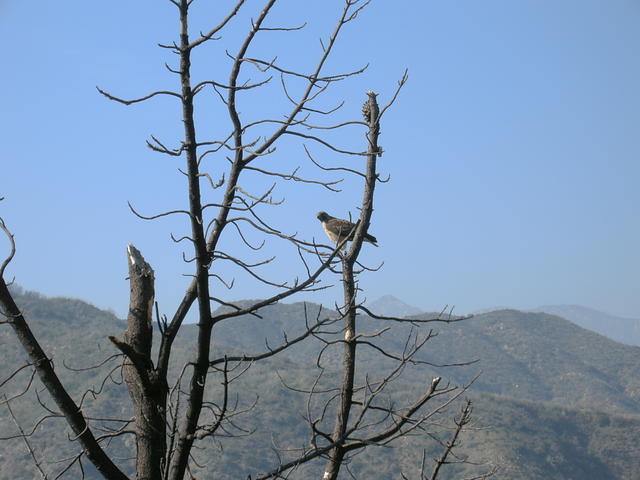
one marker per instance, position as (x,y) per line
(139,320)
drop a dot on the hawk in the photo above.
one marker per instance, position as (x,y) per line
(336,229)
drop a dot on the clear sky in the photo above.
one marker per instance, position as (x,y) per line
(514,150)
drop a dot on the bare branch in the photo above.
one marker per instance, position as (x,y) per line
(439,318)
(203,84)
(50,380)
(322,167)
(25,440)
(12,247)
(287,293)
(273,351)
(461,422)
(325,143)
(295,178)
(159,215)
(401,83)
(210,35)
(137,100)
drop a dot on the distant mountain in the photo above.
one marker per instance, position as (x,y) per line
(554,400)
(625,330)
(390,306)
(540,357)
(524,355)
(491,309)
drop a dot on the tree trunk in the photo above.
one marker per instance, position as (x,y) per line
(146,389)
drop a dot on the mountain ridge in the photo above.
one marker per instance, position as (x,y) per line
(620,329)
(553,397)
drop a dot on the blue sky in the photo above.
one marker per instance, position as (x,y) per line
(514,150)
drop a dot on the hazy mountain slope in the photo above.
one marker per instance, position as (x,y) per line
(625,330)
(536,356)
(532,356)
(73,334)
(522,354)
(541,441)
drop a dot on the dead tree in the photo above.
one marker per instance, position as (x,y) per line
(148,390)
(362,415)
(172,415)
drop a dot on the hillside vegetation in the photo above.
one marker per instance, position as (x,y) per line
(553,401)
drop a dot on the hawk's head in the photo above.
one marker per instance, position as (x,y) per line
(323,216)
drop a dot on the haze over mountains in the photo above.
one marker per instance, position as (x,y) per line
(624,330)
(554,400)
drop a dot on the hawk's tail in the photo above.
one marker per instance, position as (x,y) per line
(371,239)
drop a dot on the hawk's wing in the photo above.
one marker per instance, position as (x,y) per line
(340,227)
(337,229)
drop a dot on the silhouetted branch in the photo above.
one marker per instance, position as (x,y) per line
(137,100)
(461,422)
(45,371)
(211,33)
(25,439)
(12,248)
(448,319)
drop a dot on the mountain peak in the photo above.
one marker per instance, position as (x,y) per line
(391,306)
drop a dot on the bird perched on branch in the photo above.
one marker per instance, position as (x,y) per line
(337,229)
